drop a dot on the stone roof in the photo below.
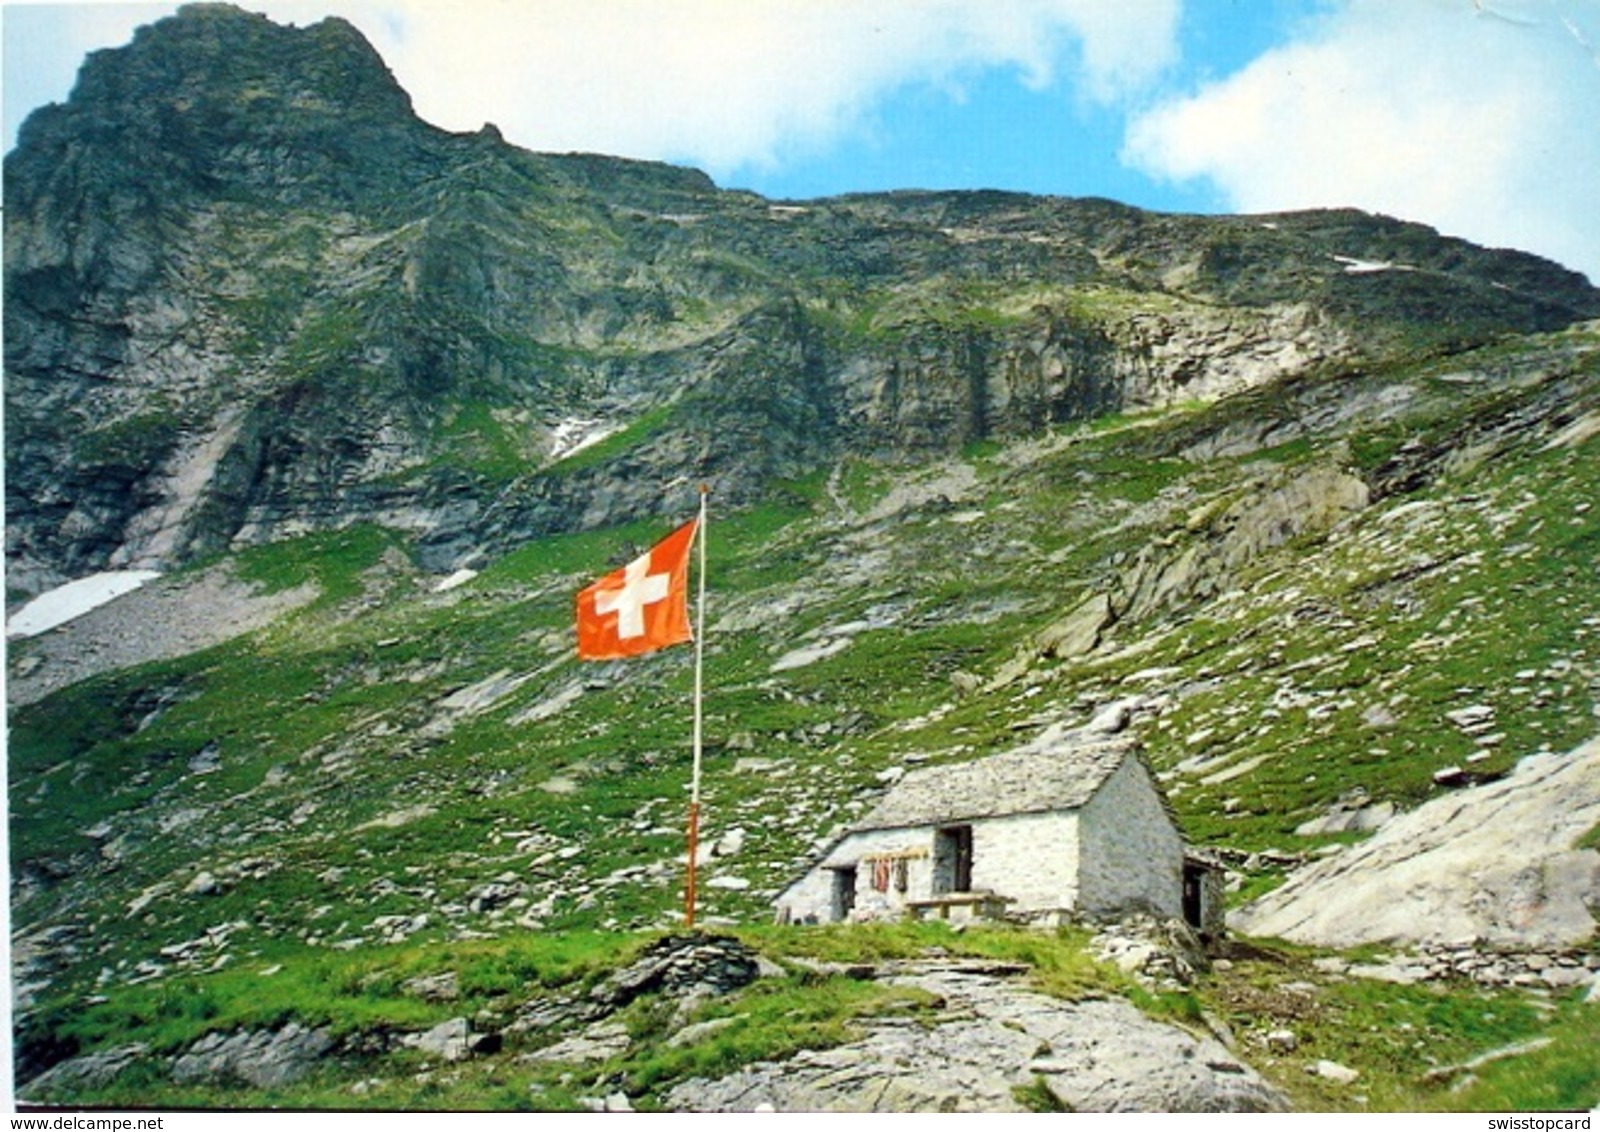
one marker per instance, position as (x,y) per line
(1059,770)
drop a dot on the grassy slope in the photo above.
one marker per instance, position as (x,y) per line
(354,779)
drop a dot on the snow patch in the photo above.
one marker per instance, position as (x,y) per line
(459,578)
(574,434)
(1362,266)
(1353,266)
(64,603)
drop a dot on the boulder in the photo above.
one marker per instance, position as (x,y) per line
(1492,864)
(1333,1071)
(453,1040)
(1078,632)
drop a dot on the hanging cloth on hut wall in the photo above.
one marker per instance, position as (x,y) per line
(882,869)
(890,871)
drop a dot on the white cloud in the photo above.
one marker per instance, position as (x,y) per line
(726,84)
(1477,118)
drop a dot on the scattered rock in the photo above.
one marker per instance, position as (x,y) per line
(1353,815)
(598,1042)
(485,693)
(1446,1072)
(1378,717)
(810,654)
(443,987)
(699,1031)
(397,818)
(1333,1071)
(1114,718)
(495,894)
(1282,1041)
(612,1102)
(1474,720)
(203,884)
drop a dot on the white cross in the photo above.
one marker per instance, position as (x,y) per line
(639,589)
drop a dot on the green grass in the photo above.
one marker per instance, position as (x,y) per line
(333,561)
(1561,1077)
(375,990)
(1400,1037)
(476,438)
(1473,584)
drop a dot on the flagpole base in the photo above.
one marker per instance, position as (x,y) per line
(694,851)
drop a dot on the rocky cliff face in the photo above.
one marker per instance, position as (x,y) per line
(249,293)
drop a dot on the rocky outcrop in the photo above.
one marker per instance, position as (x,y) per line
(87,1071)
(1496,864)
(1198,562)
(993,1046)
(1230,535)
(262,1058)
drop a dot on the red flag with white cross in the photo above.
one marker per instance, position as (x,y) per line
(642,607)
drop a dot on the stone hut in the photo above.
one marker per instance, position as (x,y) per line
(1071,822)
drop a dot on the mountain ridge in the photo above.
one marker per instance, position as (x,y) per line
(236,245)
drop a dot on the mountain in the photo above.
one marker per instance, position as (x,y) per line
(328,815)
(248,292)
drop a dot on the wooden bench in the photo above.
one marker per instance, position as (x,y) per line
(974,905)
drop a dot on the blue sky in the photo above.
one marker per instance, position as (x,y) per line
(1475,116)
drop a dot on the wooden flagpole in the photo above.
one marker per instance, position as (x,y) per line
(699,717)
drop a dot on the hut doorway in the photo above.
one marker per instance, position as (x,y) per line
(952,859)
(844,892)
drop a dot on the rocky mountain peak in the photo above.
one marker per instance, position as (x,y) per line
(218,60)
(217,99)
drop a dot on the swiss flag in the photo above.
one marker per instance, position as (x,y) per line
(642,607)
